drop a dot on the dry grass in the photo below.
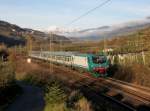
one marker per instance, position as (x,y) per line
(136,73)
(142,75)
(83,105)
(55,107)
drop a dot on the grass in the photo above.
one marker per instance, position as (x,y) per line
(83,105)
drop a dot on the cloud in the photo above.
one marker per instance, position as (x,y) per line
(61,30)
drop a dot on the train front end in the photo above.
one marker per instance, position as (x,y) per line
(99,65)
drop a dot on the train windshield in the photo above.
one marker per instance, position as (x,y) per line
(99,59)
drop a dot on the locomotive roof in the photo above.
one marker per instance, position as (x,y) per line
(60,53)
(63,53)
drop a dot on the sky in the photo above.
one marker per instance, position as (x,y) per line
(42,14)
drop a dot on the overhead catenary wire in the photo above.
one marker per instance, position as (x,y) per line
(86,13)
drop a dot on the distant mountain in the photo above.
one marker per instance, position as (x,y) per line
(11,34)
(110,31)
(60,30)
(148,17)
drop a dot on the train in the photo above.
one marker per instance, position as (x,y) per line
(98,65)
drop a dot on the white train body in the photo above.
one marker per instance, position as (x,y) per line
(66,58)
(80,61)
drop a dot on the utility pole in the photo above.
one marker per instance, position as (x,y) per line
(29,44)
(50,41)
(51,51)
(61,45)
(143,54)
(105,46)
(29,47)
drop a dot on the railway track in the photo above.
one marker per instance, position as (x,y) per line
(132,85)
(141,92)
(140,96)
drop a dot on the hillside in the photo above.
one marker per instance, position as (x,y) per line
(135,42)
(11,34)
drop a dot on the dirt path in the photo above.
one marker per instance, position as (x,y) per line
(31,100)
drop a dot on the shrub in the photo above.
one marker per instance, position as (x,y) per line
(54,94)
(8,87)
(7,75)
(30,79)
(55,97)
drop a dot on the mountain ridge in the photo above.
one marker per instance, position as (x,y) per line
(12,34)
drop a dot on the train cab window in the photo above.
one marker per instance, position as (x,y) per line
(99,59)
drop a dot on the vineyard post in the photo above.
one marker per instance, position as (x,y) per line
(143,56)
